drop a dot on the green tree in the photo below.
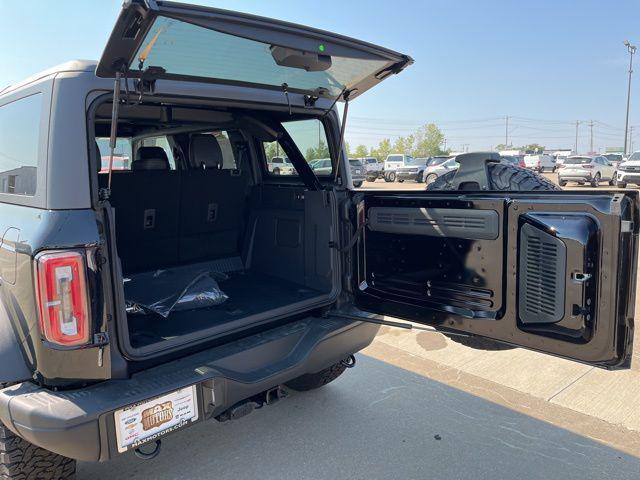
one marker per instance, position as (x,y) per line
(428,141)
(361,151)
(382,150)
(404,145)
(271,150)
(533,147)
(322,151)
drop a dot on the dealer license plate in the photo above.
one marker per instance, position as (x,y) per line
(151,419)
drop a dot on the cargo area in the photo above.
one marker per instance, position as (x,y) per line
(206,246)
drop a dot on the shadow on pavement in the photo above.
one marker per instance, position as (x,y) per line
(377,421)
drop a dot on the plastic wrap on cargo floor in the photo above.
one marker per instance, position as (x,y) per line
(173,289)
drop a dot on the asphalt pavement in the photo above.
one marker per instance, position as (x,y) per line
(377,421)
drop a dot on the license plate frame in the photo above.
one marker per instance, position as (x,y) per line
(153,418)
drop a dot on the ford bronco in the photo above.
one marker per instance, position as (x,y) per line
(155,273)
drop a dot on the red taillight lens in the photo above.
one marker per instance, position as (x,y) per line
(587,166)
(62,298)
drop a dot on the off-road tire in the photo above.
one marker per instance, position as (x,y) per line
(21,460)
(311,381)
(502,177)
(506,178)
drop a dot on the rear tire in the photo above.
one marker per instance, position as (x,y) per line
(21,460)
(430,179)
(390,177)
(501,177)
(357,184)
(419,177)
(596,180)
(562,183)
(311,381)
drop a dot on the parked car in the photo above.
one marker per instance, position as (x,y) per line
(614,159)
(510,159)
(280,166)
(413,170)
(439,168)
(198,286)
(629,171)
(392,163)
(358,172)
(583,169)
(540,163)
(322,166)
(373,168)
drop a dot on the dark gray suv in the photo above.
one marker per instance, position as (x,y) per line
(154,273)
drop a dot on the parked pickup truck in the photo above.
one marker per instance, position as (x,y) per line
(373,168)
(196,285)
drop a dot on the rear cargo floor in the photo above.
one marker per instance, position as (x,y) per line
(249,294)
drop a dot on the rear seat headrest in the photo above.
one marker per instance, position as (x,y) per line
(151,158)
(205,150)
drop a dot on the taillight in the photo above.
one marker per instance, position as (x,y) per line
(587,166)
(62,297)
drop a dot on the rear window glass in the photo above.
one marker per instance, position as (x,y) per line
(577,161)
(186,49)
(19,142)
(127,151)
(311,139)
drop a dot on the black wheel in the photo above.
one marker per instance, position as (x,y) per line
(357,184)
(501,177)
(562,183)
(311,381)
(596,180)
(419,177)
(276,171)
(390,177)
(21,460)
(400,180)
(621,184)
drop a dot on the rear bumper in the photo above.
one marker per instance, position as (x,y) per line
(576,177)
(80,424)
(408,175)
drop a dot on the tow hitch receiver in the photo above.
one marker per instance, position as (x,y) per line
(245,407)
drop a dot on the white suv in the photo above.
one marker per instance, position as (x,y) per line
(586,169)
(629,171)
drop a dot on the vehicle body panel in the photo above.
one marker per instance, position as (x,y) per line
(460,288)
(540,162)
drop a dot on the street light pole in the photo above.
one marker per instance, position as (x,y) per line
(632,49)
(576,145)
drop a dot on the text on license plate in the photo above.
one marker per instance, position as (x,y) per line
(154,418)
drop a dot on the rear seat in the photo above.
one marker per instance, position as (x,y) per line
(212,203)
(146,201)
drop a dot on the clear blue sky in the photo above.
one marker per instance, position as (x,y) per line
(545,63)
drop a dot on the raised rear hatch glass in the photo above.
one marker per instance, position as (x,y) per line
(193,43)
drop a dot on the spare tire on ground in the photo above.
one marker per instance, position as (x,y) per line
(502,177)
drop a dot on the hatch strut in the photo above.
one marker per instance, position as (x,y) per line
(345,112)
(105,194)
(391,323)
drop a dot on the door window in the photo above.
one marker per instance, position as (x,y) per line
(311,139)
(19,143)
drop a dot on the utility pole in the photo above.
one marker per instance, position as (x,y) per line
(445,144)
(631,139)
(576,144)
(591,140)
(506,131)
(632,50)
